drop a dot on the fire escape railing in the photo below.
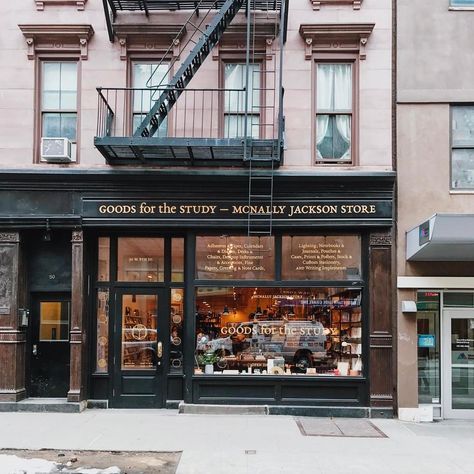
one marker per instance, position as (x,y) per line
(198,113)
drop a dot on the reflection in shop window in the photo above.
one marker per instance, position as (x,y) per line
(102,331)
(278,331)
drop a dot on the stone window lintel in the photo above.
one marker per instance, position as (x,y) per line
(71,39)
(356,4)
(80,4)
(336,38)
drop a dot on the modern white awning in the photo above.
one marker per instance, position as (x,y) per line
(443,237)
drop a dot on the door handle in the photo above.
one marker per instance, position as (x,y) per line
(35,349)
(160,349)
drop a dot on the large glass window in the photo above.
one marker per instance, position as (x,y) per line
(278,331)
(235,107)
(428,347)
(462,153)
(141,259)
(59,100)
(145,77)
(235,258)
(334,112)
(321,257)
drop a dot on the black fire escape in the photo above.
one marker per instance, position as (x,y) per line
(180,125)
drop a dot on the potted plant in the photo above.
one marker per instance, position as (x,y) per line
(208,359)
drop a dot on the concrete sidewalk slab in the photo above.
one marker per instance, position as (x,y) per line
(217,444)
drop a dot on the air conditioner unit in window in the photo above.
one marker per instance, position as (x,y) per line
(56,150)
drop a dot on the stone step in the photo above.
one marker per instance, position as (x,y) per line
(204,409)
(41,405)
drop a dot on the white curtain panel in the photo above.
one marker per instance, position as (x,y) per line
(334,87)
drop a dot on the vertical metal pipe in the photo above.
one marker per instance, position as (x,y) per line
(247,81)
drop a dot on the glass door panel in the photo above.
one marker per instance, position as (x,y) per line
(459,363)
(462,363)
(428,342)
(139,332)
(141,341)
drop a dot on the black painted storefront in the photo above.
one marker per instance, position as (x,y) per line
(69,200)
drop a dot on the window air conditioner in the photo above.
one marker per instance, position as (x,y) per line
(56,150)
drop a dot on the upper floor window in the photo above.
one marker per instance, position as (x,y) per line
(145,77)
(462,143)
(237,104)
(334,112)
(59,99)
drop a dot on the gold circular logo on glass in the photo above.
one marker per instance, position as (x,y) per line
(139,332)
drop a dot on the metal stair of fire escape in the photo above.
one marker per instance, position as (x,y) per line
(183,76)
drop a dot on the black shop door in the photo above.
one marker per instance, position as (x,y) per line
(49,345)
(140,345)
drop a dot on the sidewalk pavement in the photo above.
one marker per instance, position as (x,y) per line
(242,444)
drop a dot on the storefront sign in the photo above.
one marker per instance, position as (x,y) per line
(235,257)
(426,340)
(321,257)
(306,210)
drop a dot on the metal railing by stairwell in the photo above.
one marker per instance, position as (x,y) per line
(195,132)
(198,113)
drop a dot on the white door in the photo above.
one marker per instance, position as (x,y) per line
(458,365)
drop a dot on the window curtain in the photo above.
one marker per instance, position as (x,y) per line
(334,94)
(343,124)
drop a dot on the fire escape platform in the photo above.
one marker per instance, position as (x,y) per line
(188,151)
(173,5)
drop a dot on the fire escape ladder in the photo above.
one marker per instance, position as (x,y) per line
(260,216)
(261,180)
(183,76)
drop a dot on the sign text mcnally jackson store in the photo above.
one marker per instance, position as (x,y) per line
(297,210)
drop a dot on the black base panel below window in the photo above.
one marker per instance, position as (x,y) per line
(280,391)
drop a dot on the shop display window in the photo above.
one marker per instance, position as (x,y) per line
(176,331)
(102,331)
(141,259)
(278,331)
(235,258)
(325,257)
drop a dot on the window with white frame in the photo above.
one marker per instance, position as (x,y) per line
(462,147)
(334,112)
(148,80)
(59,99)
(236,107)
